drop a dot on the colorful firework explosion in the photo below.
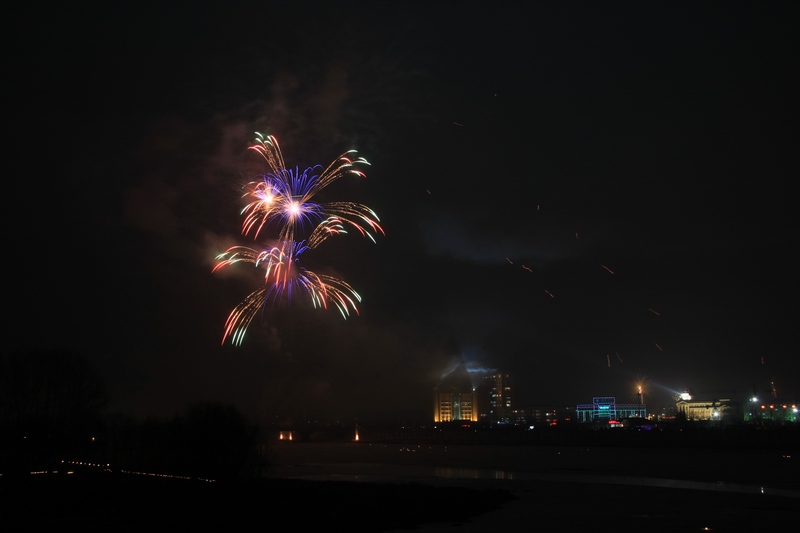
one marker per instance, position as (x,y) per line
(283,197)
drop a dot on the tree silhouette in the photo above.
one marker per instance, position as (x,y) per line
(51,403)
(208,440)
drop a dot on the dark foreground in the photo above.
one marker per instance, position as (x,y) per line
(382,488)
(132,503)
(136,503)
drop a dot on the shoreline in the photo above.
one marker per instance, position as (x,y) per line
(394,487)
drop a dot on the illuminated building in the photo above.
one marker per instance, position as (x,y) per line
(712,410)
(772,412)
(455,399)
(720,410)
(605,409)
(452,406)
(495,398)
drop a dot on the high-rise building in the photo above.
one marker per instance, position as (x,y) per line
(494,398)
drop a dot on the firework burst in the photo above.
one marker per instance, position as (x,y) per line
(283,198)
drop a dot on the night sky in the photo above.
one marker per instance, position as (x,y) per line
(582,195)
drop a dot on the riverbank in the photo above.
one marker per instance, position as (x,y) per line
(575,488)
(130,503)
(373,487)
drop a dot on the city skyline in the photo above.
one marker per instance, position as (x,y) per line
(474,388)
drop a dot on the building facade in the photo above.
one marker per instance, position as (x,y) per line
(455,399)
(722,410)
(606,410)
(494,399)
(454,406)
(773,412)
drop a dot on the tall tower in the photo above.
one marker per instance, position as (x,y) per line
(496,397)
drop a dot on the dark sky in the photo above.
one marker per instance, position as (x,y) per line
(582,195)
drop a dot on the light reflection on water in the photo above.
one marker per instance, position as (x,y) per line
(488,474)
(504,478)
(524,468)
(471,473)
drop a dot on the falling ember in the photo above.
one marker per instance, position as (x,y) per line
(576,234)
(659,347)
(620,358)
(608,357)
(510,262)
(550,293)
(762,359)
(607,268)
(529,269)
(654,311)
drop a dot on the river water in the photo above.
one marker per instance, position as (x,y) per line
(509,466)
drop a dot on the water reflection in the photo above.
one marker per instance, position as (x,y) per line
(471,473)
(503,478)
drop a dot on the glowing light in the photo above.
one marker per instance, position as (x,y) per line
(283,278)
(284,197)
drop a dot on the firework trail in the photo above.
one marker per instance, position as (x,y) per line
(283,197)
